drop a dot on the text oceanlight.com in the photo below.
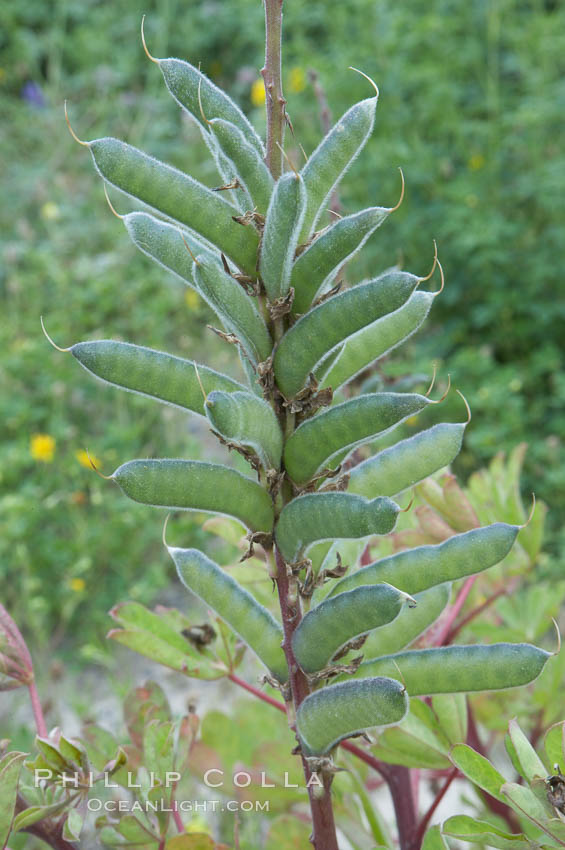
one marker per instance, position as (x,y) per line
(125,806)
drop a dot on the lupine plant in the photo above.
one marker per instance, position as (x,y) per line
(259,252)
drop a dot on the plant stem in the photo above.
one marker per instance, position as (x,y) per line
(323,825)
(40,724)
(400,786)
(257,692)
(429,814)
(271,73)
(45,830)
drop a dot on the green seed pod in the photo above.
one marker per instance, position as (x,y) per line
(248,163)
(247,617)
(459,556)
(317,441)
(280,235)
(151,373)
(237,310)
(336,712)
(177,196)
(374,341)
(193,485)
(326,516)
(410,623)
(197,94)
(321,261)
(324,328)
(243,418)
(393,470)
(461,669)
(333,156)
(165,244)
(325,629)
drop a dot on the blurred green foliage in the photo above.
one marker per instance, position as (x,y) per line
(472,98)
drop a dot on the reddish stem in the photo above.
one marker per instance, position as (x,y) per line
(441,637)
(257,692)
(272,76)
(502,591)
(323,823)
(40,724)
(429,814)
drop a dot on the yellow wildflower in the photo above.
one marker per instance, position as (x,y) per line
(42,447)
(192,299)
(50,211)
(297,80)
(77,584)
(82,458)
(258,92)
(476,162)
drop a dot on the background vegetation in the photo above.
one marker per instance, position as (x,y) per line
(472,98)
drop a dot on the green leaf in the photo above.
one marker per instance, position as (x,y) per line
(524,801)
(479,770)
(451,712)
(10,767)
(466,828)
(433,840)
(529,765)
(73,826)
(413,744)
(33,814)
(554,745)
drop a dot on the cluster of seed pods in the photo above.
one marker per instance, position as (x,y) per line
(249,252)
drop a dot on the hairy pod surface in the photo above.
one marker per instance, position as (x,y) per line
(343,427)
(195,485)
(326,516)
(247,617)
(336,712)
(374,341)
(326,628)
(422,567)
(236,309)
(410,623)
(249,421)
(280,234)
(393,470)
(321,261)
(177,196)
(461,669)
(248,163)
(333,156)
(196,93)
(324,328)
(152,373)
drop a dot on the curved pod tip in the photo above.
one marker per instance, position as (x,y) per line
(95,468)
(149,56)
(363,74)
(72,132)
(48,338)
